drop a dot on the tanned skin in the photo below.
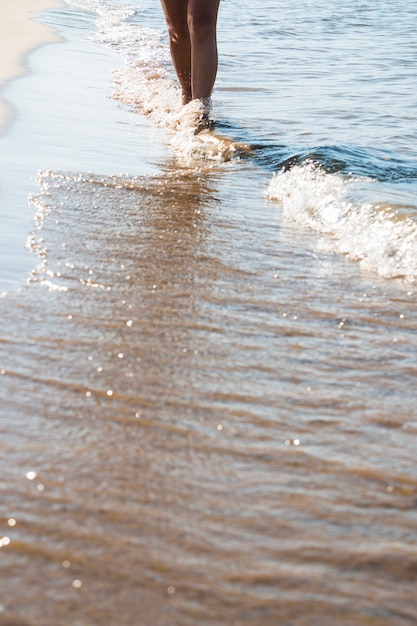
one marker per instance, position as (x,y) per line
(193,44)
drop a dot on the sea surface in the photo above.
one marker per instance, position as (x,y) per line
(208,372)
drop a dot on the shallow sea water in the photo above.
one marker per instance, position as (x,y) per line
(207,384)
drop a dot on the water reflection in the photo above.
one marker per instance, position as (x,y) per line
(137,279)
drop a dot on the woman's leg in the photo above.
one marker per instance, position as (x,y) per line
(192,36)
(202,21)
(179,39)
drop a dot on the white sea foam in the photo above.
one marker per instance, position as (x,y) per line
(374,233)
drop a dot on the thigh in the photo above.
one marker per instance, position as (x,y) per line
(204,10)
(175,12)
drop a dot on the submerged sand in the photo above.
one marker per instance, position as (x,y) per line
(19,34)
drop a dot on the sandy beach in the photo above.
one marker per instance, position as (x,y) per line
(19,34)
(208,365)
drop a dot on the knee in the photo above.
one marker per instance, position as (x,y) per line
(201,24)
(178,34)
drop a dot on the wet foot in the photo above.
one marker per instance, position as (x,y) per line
(204,123)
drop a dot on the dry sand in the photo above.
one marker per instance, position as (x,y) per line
(19,35)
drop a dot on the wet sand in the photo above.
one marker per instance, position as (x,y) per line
(19,34)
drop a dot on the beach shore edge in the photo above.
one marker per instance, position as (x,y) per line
(20,34)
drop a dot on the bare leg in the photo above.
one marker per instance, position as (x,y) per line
(192,35)
(179,40)
(202,20)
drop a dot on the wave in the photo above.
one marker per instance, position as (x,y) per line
(379,164)
(380,234)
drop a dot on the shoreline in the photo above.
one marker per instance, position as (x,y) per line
(62,116)
(20,34)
